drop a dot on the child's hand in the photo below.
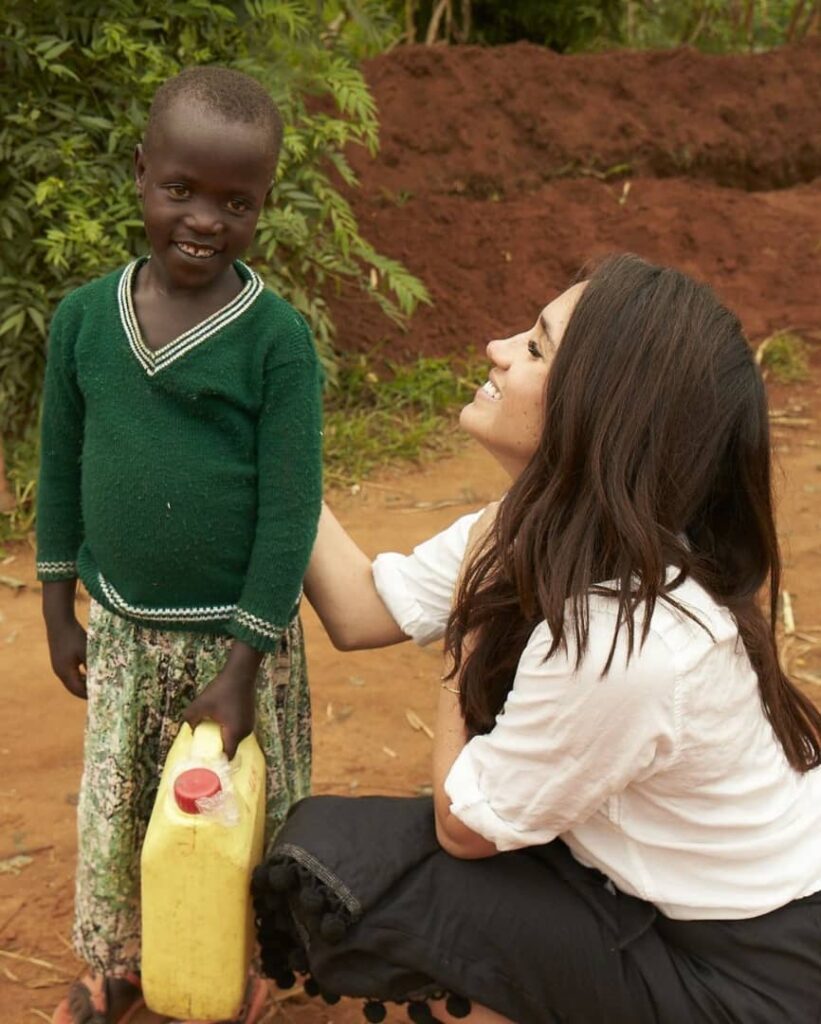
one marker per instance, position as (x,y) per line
(66,637)
(67,648)
(228,699)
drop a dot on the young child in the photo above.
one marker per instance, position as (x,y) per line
(181,482)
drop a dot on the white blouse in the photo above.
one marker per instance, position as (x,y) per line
(664,774)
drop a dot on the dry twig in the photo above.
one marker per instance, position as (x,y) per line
(787,613)
(415,722)
(28,959)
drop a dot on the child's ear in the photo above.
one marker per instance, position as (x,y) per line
(139,168)
(269,197)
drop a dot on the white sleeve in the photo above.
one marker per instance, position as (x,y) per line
(418,588)
(567,739)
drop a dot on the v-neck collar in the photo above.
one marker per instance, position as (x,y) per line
(151,360)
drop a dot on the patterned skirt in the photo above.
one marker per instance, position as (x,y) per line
(139,683)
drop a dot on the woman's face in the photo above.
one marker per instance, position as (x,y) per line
(507,412)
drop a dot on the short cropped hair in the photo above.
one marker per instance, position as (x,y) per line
(232,95)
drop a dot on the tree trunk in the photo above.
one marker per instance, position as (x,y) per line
(436,18)
(410,23)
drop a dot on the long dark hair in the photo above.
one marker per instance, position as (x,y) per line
(655,452)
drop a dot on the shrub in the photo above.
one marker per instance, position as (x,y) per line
(75,83)
(573,25)
(784,354)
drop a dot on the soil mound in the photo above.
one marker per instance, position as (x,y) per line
(503,119)
(503,170)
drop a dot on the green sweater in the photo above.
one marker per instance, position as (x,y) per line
(183,485)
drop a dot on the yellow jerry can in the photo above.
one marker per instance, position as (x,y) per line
(203,842)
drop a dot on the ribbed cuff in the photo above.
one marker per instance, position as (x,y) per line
(255,631)
(50,572)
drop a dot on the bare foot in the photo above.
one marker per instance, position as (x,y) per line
(86,996)
(121,997)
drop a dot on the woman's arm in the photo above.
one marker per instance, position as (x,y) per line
(454,837)
(451,736)
(339,584)
(565,742)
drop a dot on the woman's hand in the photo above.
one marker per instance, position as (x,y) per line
(229,699)
(66,637)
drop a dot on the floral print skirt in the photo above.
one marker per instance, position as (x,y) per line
(139,683)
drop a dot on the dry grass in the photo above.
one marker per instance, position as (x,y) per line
(784,355)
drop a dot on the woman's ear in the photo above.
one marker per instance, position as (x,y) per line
(139,168)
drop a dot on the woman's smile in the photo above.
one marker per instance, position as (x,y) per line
(489,390)
(517,378)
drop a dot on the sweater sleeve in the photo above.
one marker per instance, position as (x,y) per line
(418,588)
(59,509)
(289,481)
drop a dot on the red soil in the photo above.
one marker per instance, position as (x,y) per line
(503,170)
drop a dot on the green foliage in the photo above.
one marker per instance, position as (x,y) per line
(715,25)
(582,25)
(75,84)
(564,25)
(22,459)
(784,354)
(359,28)
(373,419)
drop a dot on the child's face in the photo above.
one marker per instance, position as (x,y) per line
(203,182)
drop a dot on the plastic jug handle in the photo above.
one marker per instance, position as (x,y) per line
(206,743)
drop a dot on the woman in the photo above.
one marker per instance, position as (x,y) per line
(627,796)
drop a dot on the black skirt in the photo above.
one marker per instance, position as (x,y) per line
(359,897)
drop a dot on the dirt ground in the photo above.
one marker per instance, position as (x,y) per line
(486,186)
(364,743)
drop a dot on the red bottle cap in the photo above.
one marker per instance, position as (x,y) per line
(193,785)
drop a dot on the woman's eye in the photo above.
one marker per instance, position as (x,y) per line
(533,348)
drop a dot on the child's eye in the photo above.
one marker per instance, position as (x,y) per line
(533,348)
(237,205)
(178,191)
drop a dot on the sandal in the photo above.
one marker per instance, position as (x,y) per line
(87,1001)
(256,996)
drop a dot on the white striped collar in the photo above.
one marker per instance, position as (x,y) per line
(153,361)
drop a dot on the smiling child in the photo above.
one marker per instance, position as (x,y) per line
(180,481)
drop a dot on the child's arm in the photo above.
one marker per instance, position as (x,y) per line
(59,512)
(289,484)
(66,637)
(339,584)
